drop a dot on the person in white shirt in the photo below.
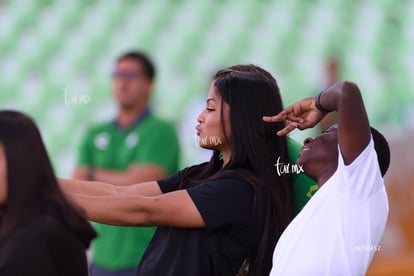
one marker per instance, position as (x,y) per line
(339,229)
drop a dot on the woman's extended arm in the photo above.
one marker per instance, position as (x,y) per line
(172,209)
(94,188)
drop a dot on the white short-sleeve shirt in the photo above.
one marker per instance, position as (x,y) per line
(338,230)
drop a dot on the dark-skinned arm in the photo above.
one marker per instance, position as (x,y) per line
(354,132)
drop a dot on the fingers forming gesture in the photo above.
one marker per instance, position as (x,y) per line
(302,115)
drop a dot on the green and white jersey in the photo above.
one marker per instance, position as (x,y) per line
(149,141)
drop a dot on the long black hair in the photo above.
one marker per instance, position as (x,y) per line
(255,148)
(32,188)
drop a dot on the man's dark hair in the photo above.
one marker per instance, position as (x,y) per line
(382,149)
(142,59)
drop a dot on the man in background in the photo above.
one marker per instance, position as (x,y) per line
(134,147)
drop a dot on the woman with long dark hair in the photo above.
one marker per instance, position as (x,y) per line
(215,215)
(40,232)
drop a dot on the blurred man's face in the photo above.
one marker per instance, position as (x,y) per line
(130,85)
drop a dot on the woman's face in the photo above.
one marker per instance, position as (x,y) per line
(209,128)
(3,176)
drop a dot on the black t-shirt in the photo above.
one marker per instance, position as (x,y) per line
(218,249)
(43,248)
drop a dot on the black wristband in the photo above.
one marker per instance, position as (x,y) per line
(318,104)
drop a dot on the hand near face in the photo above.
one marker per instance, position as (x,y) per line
(302,115)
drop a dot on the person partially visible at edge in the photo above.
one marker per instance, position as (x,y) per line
(303,186)
(345,219)
(213,216)
(41,233)
(135,147)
